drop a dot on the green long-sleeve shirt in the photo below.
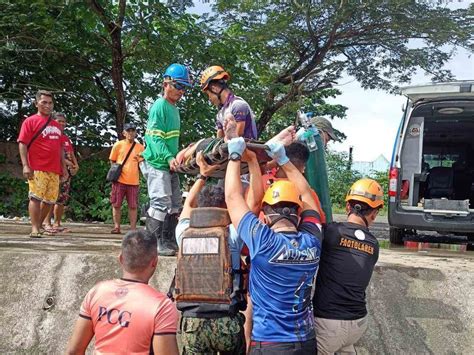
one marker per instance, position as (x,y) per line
(162,134)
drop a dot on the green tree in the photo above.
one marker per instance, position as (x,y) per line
(300,47)
(340,178)
(382,178)
(103,60)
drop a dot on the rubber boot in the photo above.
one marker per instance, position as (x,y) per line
(169,231)
(155,227)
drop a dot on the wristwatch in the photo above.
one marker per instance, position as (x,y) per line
(202,177)
(235,156)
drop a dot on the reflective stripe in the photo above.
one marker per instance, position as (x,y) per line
(162,134)
(155,132)
(171,134)
(371,197)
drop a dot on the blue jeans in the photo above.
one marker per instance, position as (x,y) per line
(163,190)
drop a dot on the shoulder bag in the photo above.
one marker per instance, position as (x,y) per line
(116,169)
(38,133)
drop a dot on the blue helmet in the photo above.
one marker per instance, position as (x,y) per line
(178,73)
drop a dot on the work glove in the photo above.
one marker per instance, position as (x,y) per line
(236,145)
(277,152)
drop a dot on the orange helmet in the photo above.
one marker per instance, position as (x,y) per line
(213,73)
(282,191)
(368,191)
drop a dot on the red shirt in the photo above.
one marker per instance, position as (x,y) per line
(67,144)
(126,314)
(44,153)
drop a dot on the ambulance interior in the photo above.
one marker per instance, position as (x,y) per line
(437,157)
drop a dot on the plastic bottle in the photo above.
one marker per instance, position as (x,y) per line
(309,133)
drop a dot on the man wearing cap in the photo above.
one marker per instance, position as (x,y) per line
(162,142)
(325,129)
(129,181)
(214,84)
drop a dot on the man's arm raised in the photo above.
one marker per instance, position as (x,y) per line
(277,152)
(191,200)
(234,197)
(255,191)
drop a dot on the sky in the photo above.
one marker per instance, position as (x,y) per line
(373,116)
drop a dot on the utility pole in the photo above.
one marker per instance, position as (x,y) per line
(349,163)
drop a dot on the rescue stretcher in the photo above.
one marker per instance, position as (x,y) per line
(215,153)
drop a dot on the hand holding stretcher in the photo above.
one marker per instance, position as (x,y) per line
(215,153)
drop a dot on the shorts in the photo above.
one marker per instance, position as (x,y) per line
(339,336)
(64,191)
(210,336)
(44,187)
(119,191)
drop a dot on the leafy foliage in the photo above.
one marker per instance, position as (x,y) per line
(104,60)
(382,178)
(304,46)
(340,177)
(90,193)
(14,192)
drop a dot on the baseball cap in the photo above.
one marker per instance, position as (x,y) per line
(325,125)
(128,126)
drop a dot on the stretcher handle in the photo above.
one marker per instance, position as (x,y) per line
(251,146)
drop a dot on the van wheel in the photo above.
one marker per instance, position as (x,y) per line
(396,235)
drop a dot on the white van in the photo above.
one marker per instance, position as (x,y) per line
(431,173)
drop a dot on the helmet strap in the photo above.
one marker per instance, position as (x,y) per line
(357,211)
(276,217)
(218,94)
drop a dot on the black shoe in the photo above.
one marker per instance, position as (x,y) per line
(169,231)
(164,249)
(155,227)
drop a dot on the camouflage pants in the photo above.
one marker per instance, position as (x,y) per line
(210,336)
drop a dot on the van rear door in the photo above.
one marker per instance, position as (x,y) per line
(432,91)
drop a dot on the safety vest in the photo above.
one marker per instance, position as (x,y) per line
(205,283)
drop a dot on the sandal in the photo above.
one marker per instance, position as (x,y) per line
(50,231)
(36,235)
(115,231)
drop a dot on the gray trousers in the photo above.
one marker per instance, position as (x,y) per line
(339,336)
(163,190)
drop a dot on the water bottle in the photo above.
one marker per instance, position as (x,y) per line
(310,141)
(309,133)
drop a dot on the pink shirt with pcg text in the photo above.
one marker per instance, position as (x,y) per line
(126,315)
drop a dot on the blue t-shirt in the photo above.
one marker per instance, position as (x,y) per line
(281,278)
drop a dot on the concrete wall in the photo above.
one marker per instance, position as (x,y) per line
(418,304)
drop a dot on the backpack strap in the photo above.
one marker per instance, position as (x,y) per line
(172,288)
(39,132)
(128,154)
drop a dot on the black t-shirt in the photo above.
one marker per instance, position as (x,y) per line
(348,258)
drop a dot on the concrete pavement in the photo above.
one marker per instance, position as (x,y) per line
(419,301)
